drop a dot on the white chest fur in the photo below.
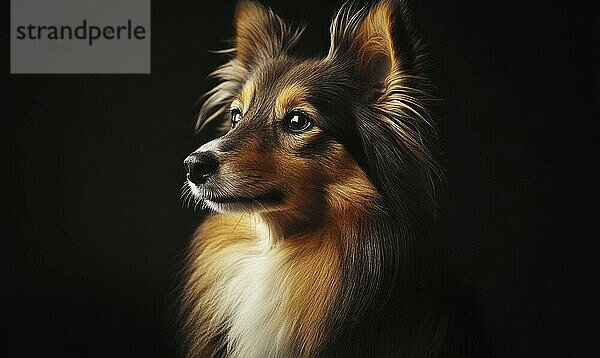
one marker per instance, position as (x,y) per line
(255,294)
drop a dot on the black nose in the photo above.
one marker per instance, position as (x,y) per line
(200,166)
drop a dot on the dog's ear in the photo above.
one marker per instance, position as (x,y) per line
(379,46)
(380,43)
(260,34)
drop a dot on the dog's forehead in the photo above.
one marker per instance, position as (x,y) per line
(280,74)
(278,86)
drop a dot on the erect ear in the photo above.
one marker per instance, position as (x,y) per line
(375,48)
(260,34)
(380,43)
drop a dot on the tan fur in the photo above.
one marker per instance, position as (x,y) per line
(374,37)
(291,97)
(246,96)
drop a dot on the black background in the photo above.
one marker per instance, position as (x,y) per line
(93,230)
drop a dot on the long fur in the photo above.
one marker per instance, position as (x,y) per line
(349,262)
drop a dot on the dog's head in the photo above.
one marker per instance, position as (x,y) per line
(305,135)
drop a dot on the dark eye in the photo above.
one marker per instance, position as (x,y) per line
(236,116)
(297,121)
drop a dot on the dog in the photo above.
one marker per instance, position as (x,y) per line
(321,236)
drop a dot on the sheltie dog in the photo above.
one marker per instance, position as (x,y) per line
(321,238)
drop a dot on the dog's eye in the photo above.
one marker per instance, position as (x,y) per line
(236,116)
(297,122)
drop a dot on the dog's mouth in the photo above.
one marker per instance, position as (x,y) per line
(225,202)
(269,197)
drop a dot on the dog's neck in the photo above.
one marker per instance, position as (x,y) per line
(340,258)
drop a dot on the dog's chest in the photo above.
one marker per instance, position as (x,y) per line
(255,297)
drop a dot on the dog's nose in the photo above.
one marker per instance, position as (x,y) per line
(200,166)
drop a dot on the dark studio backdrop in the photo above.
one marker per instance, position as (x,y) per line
(93,231)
